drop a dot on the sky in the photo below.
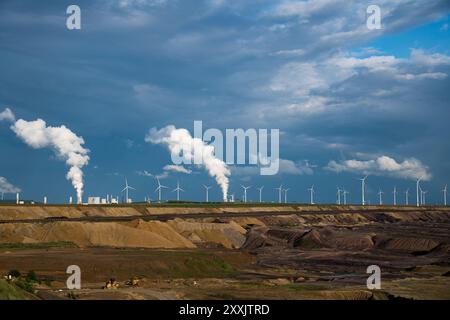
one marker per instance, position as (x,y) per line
(348,101)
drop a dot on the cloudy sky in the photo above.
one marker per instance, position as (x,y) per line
(348,100)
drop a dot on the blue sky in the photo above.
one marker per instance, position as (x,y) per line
(348,100)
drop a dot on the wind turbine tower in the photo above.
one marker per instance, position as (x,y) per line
(159,189)
(380,195)
(345,193)
(207,192)
(417,191)
(260,193)
(178,189)
(127,187)
(245,192)
(444,191)
(395,196)
(285,194)
(338,196)
(407,197)
(424,193)
(280,190)
(363,190)
(311,194)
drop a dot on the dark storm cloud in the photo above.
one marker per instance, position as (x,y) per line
(301,66)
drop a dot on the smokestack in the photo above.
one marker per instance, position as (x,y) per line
(17,198)
(70,200)
(45,200)
(79,199)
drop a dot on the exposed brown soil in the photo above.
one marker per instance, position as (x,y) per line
(294,256)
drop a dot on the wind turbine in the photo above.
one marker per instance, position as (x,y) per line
(444,191)
(395,196)
(207,192)
(345,192)
(280,189)
(311,191)
(260,193)
(178,189)
(338,196)
(127,187)
(285,194)
(159,188)
(380,195)
(363,190)
(417,191)
(245,192)
(423,197)
(407,197)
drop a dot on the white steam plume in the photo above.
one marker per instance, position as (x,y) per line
(7,187)
(181,144)
(66,145)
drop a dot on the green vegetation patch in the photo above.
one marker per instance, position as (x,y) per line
(10,292)
(43,245)
(305,287)
(182,264)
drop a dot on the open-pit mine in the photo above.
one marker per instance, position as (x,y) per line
(224,252)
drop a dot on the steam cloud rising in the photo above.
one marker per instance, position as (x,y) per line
(66,145)
(7,187)
(181,143)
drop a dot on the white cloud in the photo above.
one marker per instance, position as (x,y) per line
(309,84)
(314,104)
(7,115)
(286,167)
(7,187)
(298,79)
(177,168)
(420,57)
(421,76)
(383,166)
(145,173)
(305,8)
(290,53)
(142,3)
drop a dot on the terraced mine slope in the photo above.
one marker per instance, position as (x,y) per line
(290,252)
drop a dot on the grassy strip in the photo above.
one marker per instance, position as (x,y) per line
(10,292)
(43,245)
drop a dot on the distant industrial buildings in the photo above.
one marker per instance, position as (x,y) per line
(107,200)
